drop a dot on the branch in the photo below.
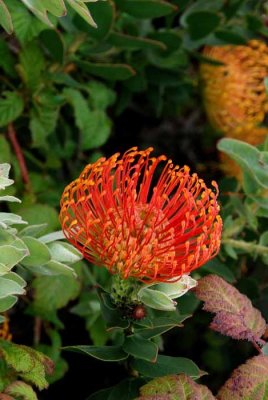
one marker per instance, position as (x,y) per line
(19,154)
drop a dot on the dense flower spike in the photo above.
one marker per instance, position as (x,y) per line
(234,93)
(118,218)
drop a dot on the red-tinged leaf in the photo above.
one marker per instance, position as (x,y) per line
(235,315)
(174,386)
(248,382)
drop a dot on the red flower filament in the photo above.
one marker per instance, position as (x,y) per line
(117,217)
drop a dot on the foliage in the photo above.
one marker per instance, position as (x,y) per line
(41,9)
(39,258)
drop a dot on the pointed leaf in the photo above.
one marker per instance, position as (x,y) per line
(11,255)
(9,287)
(5,18)
(235,315)
(38,252)
(11,107)
(104,353)
(251,160)
(156,299)
(82,10)
(64,252)
(111,72)
(166,365)
(7,302)
(140,347)
(53,292)
(248,382)
(147,8)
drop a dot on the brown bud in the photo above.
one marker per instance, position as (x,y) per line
(139,312)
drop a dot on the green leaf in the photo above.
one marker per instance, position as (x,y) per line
(27,362)
(94,125)
(81,8)
(161,325)
(43,121)
(26,26)
(101,96)
(98,130)
(11,107)
(111,72)
(37,8)
(55,7)
(5,18)
(54,292)
(202,23)
(104,353)
(9,287)
(7,302)
(33,230)
(16,278)
(12,199)
(124,41)
(40,214)
(104,14)
(147,8)
(251,160)
(39,253)
(21,390)
(64,252)
(230,37)
(5,150)
(32,64)
(264,242)
(53,43)
(176,289)
(11,255)
(52,268)
(141,348)
(10,219)
(156,299)
(4,174)
(171,39)
(175,387)
(166,365)
(127,389)
(110,314)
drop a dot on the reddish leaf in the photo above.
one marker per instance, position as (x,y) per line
(174,386)
(248,382)
(235,315)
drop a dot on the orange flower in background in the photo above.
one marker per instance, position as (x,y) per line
(234,93)
(119,218)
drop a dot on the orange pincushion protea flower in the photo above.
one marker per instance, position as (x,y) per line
(234,93)
(117,217)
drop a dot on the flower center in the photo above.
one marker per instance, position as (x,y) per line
(140,240)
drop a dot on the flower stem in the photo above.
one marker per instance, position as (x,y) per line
(19,154)
(249,247)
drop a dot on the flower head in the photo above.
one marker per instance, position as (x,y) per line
(120,218)
(234,93)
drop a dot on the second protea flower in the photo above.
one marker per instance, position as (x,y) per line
(123,215)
